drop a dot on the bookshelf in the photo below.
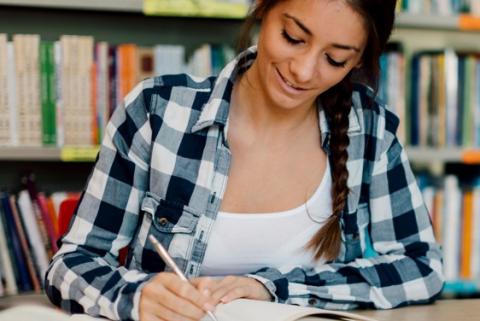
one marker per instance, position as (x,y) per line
(104,5)
(122,21)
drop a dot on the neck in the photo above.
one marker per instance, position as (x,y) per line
(251,108)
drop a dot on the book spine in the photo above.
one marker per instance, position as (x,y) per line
(23,280)
(25,246)
(5,138)
(59,108)
(33,231)
(12,94)
(6,259)
(451,228)
(41,205)
(47,83)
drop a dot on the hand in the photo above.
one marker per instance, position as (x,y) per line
(167,298)
(230,288)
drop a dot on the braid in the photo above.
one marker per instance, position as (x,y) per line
(337,102)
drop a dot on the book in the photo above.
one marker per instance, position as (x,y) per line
(4,121)
(238,310)
(48,92)
(34,278)
(252,310)
(27,75)
(8,274)
(32,229)
(22,277)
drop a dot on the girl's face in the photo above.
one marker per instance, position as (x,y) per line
(304,48)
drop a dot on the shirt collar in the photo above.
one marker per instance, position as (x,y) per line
(215,110)
(353,119)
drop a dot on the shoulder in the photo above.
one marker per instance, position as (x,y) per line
(378,123)
(180,90)
(377,120)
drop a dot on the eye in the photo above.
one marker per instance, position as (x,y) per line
(290,39)
(335,63)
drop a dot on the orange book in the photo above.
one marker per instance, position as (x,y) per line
(437,215)
(93,104)
(468,22)
(466,237)
(128,68)
(53,215)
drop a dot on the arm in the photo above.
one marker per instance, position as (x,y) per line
(84,275)
(408,268)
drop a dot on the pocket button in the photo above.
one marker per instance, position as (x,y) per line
(162,221)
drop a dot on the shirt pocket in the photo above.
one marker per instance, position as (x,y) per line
(169,216)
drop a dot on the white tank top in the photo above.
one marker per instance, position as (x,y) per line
(243,243)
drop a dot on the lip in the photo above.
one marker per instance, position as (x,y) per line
(286,86)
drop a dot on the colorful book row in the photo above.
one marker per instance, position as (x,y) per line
(28,237)
(455,214)
(440,7)
(443,105)
(62,93)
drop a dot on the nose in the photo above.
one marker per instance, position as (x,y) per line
(303,67)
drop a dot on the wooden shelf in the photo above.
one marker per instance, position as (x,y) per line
(443,155)
(457,22)
(24,298)
(88,154)
(176,9)
(103,5)
(66,154)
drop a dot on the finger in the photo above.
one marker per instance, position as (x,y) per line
(235,293)
(221,292)
(177,302)
(159,294)
(188,292)
(204,284)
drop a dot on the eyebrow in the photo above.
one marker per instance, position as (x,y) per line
(308,32)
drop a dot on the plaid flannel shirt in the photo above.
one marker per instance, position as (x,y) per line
(162,170)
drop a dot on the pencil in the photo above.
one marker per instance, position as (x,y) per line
(171,263)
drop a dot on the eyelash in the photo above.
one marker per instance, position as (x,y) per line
(294,41)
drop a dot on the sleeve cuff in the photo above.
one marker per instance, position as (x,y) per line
(128,307)
(275,282)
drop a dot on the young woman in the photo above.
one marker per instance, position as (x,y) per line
(282,178)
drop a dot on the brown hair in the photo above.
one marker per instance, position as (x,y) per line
(337,101)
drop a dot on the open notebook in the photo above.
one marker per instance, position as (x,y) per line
(251,310)
(238,310)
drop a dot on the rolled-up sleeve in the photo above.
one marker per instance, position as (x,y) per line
(84,275)
(408,266)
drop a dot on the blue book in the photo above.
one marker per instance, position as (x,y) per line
(23,278)
(414,96)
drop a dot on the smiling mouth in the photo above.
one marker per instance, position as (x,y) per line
(289,83)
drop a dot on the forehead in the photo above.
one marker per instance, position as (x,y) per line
(332,18)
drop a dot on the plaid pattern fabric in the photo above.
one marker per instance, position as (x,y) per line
(162,170)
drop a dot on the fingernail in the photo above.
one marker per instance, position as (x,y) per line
(208,307)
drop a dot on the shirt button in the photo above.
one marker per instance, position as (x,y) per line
(312,301)
(162,221)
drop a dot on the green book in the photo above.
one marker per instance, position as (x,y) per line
(48,93)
